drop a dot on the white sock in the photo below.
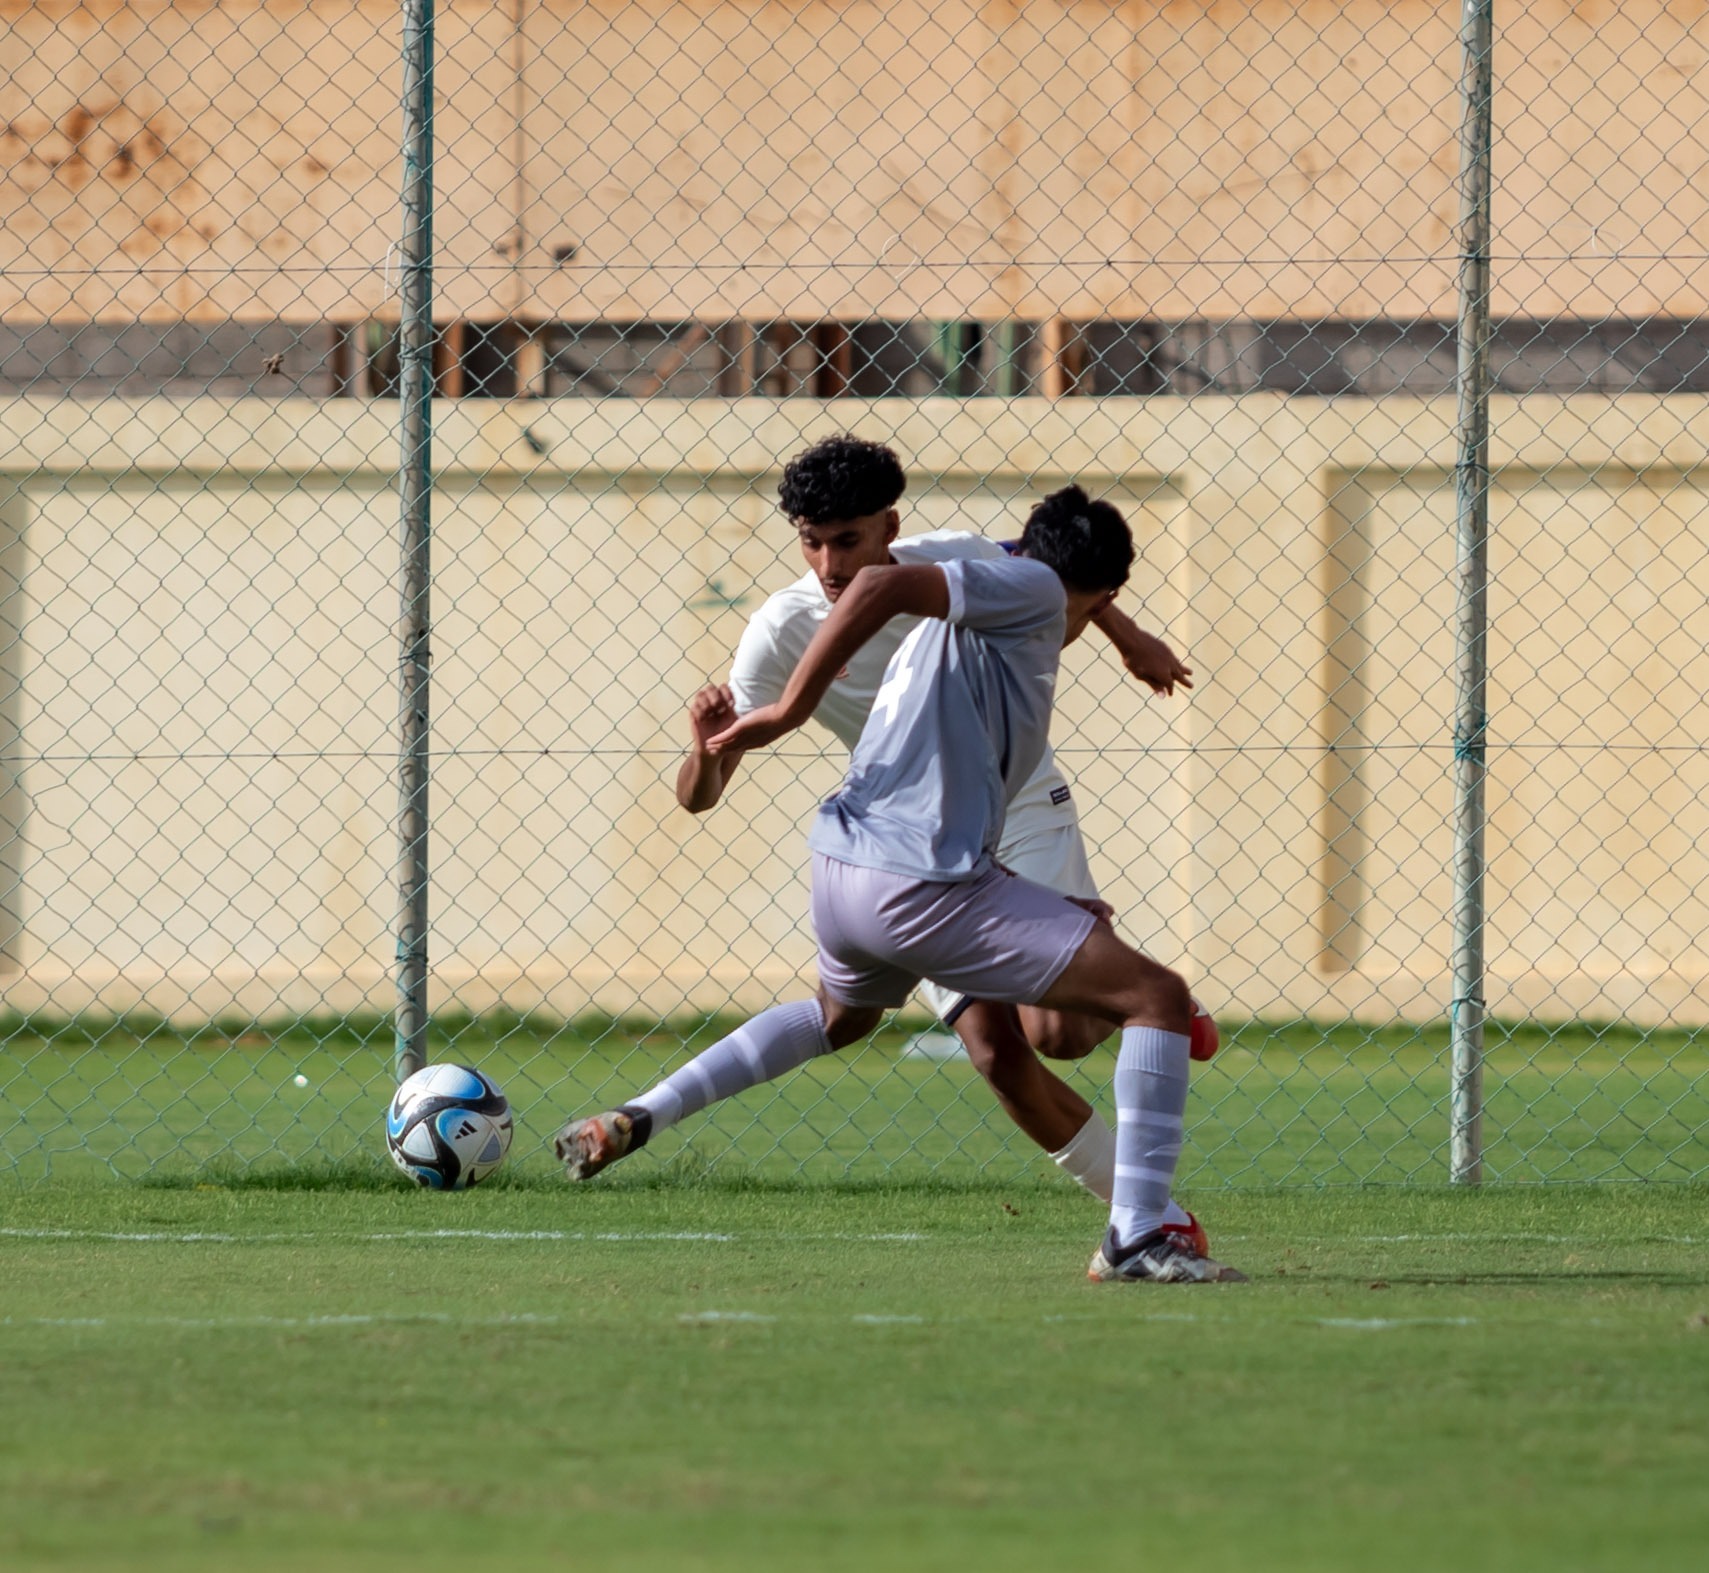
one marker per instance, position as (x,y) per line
(1090,1157)
(775,1041)
(1151,1107)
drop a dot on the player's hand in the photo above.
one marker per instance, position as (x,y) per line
(1152,661)
(1101,910)
(710,712)
(754,730)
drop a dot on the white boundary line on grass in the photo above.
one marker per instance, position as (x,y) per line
(1520,1239)
(1383,1324)
(1475,1238)
(709,1237)
(360,1320)
(614,1236)
(262,1321)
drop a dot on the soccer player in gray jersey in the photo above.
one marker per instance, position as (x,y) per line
(841,495)
(906,885)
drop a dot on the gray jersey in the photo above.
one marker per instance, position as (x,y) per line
(780,631)
(961,720)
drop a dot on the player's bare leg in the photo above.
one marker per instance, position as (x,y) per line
(1063,1034)
(1155,1011)
(1044,1106)
(1072,1035)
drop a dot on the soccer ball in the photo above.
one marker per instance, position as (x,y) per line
(448,1127)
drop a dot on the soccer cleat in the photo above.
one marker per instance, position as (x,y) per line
(587,1146)
(1164,1257)
(1191,1234)
(1203,1039)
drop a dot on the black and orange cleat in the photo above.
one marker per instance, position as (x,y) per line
(1163,1257)
(587,1146)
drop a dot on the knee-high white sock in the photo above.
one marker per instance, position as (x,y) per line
(775,1041)
(1151,1108)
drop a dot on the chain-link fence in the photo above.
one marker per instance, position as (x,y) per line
(1210,259)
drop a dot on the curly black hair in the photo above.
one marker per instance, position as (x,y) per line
(1087,543)
(840,478)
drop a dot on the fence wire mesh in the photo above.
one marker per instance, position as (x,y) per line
(1201,257)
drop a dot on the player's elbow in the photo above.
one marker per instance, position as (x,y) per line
(697,794)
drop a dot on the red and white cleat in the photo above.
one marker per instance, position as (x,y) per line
(1202,1036)
(1191,1234)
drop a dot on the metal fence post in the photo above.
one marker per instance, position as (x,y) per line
(415,537)
(1471,509)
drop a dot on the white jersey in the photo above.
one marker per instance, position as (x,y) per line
(778,634)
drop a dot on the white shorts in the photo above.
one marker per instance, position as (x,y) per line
(1054,857)
(996,937)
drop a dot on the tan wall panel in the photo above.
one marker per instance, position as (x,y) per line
(207,698)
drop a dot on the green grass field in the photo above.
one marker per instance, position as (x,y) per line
(734,1373)
(843,1323)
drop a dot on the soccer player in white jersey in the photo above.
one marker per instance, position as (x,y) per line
(906,884)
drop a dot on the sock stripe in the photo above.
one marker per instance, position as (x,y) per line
(1151,1102)
(775,1041)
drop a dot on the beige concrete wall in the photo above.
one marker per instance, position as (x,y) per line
(202,698)
(761,158)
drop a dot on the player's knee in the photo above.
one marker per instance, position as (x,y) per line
(1163,996)
(846,1024)
(981,1055)
(1001,1060)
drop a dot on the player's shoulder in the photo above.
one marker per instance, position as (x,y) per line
(943,546)
(800,598)
(776,633)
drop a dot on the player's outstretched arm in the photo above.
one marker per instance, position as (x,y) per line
(1144,655)
(874,596)
(702,776)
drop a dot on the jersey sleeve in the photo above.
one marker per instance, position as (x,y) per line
(1008,595)
(760,672)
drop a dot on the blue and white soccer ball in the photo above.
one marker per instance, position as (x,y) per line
(448,1127)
